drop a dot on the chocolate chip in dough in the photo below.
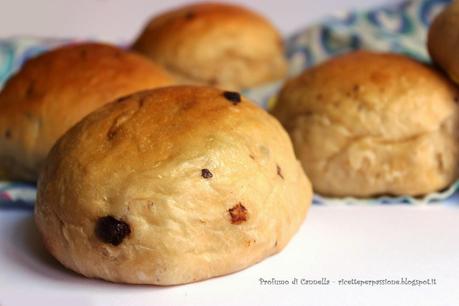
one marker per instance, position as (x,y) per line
(232,96)
(238,214)
(279,172)
(111,230)
(205,173)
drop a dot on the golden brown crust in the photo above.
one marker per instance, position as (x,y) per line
(216,44)
(443,40)
(55,90)
(372,123)
(139,162)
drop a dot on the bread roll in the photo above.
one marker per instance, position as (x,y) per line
(55,90)
(171,186)
(443,40)
(367,124)
(217,44)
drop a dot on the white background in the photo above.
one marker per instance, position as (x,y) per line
(121,20)
(335,242)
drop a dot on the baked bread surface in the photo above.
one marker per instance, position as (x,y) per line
(443,40)
(217,44)
(53,91)
(171,186)
(367,124)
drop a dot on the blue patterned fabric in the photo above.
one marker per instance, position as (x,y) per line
(399,28)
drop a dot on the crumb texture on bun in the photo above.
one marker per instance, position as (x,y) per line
(171,186)
(367,124)
(53,91)
(217,44)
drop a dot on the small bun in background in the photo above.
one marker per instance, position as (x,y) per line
(443,40)
(367,124)
(217,44)
(54,90)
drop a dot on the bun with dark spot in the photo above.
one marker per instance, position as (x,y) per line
(171,186)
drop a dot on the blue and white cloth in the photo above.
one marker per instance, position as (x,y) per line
(399,28)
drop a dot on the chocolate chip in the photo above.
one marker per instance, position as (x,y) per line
(111,230)
(83,53)
(8,133)
(238,214)
(232,96)
(279,171)
(456,99)
(205,173)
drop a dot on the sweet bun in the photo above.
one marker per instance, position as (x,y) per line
(443,40)
(216,44)
(171,186)
(55,90)
(367,124)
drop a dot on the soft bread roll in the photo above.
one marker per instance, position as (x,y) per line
(217,44)
(369,124)
(55,90)
(171,186)
(443,40)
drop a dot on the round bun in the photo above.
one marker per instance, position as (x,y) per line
(171,186)
(55,90)
(443,40)
(215,44)
(368,124)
